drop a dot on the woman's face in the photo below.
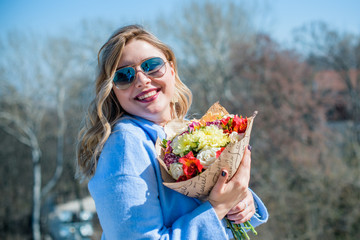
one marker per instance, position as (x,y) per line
(147,97)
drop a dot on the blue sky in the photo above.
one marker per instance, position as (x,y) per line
(50,16)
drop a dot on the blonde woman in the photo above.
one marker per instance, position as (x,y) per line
(138,90)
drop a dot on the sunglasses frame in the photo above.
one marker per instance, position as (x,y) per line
(134,66)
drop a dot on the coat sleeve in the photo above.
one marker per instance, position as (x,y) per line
(126,195)
(261,215)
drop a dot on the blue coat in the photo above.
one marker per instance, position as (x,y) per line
(131,201)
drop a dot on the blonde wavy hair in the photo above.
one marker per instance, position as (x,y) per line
(105,110)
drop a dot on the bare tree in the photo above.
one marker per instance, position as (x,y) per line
(20,130)
(41,76)
(203,38)
(31,99)
(23,110)
(26,131)
(58,59)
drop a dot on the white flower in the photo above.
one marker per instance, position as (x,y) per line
(176,170)
(235,137)
(229,115)
(207,156)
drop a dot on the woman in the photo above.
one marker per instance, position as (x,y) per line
(138,90)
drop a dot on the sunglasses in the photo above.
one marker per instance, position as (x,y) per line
(152,67)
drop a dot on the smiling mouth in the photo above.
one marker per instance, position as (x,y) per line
(148,96)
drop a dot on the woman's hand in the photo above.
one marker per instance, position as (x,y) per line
(243,211)
(227,195)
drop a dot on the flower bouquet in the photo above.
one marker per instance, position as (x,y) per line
(194,152)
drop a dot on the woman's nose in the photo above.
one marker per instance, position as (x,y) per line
(141,79)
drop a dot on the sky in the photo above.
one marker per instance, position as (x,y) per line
(50,16)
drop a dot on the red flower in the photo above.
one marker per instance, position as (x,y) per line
(225,121)
(191,165)
(226,124)
(239,124)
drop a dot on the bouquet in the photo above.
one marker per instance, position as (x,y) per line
(194,152)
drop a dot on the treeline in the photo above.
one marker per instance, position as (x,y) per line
(305,161)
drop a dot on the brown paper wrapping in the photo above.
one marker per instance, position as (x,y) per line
(201,185)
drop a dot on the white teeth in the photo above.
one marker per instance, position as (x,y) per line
(149,94)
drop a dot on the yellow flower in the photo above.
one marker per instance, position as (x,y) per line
(184,143)
(210,136)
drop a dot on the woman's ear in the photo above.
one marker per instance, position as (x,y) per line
(172,68)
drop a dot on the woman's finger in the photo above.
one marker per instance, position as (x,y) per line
(220,184)
(243,172)
(238,216)
(241,217)
(244,209)
(241,206)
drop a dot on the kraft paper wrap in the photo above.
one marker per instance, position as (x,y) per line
(201,185)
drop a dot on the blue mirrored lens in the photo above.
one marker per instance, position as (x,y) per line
(124,76)
(152,64)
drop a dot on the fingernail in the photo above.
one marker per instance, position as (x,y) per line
(249,147)
(223,173)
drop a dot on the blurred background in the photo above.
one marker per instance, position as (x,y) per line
(296,62)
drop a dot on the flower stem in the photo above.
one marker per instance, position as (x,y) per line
(239,231)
